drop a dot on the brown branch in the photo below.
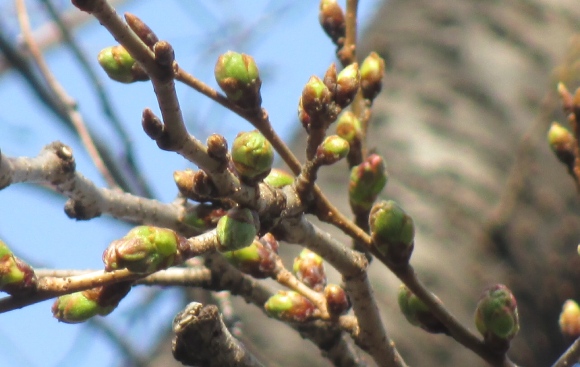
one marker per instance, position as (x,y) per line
(347,54)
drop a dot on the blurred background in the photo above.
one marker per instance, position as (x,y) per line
(468,97)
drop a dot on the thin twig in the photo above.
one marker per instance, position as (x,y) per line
(347,54)
(68,103)
(103,97)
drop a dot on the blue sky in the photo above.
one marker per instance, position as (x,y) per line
(285,39)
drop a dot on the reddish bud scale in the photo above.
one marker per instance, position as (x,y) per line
(315,102)
(144,249)
(309,269)
(372,71)
(332,149)
(290,306)
(257,260)
(239,78)
(332,20)
(367,180)
(337,301)
(347,85)
(16,276)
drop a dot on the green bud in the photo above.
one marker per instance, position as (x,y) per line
(74,308)
(332,20)
(120,65)
(570,319)
(290,306)
(417,312)
(257,259)
(367,180)
(347,85)
(203,216)
(16,276)
(496,315)
(237,229)
(562,143)
(315,101)
(392,231)
(81,306)
(278,178)
(371,74)
(348,127)
(332,149)
(144,249)
(239,78)
(252,155)
(337,301)
(309,269)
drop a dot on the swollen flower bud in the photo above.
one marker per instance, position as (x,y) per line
(315,100)
(81,306)
(144,249)
(392,231)
(309,269)
(332,149)
(252,155)
(120,65)
(367,180)
(332,20)
(258,259)
(337,301)
(417,312)
(290,306)
(348,127)
(562,143)
(371,76)
(570,319)
(16,276)
(74,308)
(348,82)
(239,78)
(279,178)
(237,229)
(496,315)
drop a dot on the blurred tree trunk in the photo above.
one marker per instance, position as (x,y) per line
(468,98)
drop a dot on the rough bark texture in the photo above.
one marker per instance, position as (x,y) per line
(468,97)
